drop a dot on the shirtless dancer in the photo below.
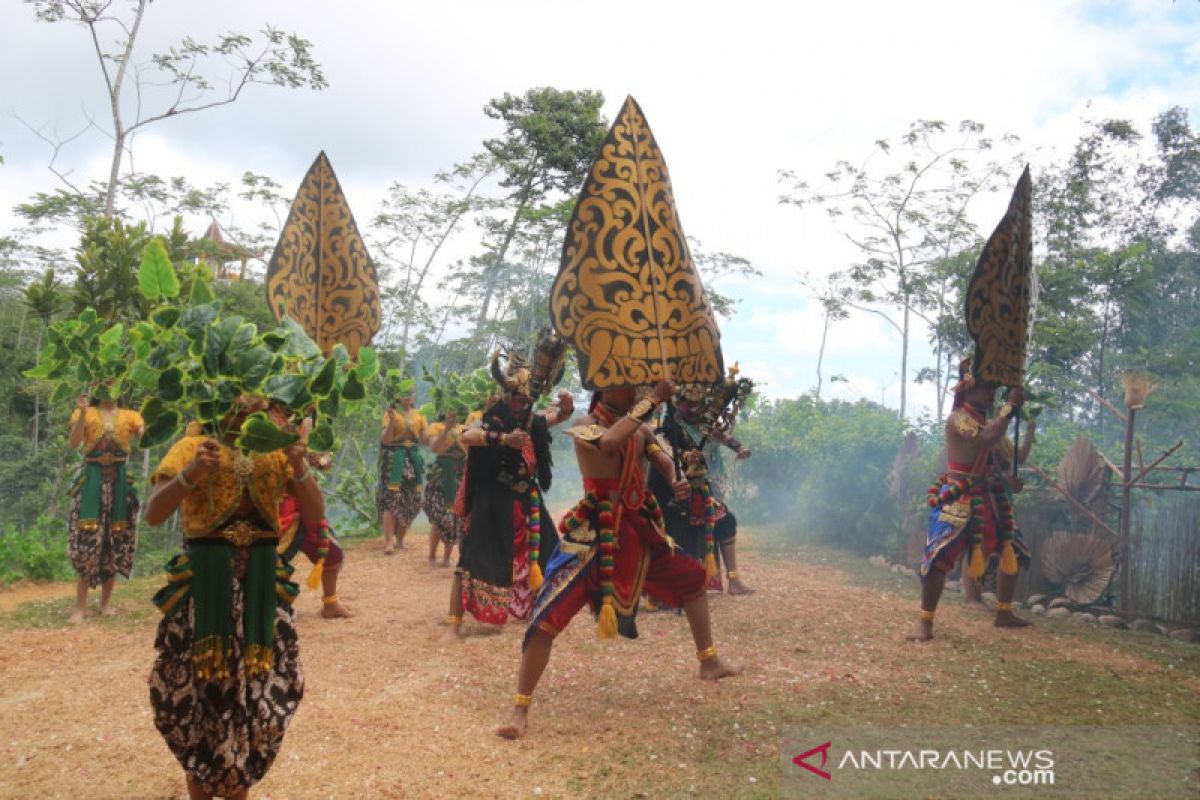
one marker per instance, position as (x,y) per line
(598,559)
(958,526)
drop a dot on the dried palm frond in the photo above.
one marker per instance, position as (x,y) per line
(1138,386)
(1081,563)
(1083,474)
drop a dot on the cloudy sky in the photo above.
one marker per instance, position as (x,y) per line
(734,91)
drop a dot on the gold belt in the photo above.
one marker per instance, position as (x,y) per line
(243,533)
(106,460)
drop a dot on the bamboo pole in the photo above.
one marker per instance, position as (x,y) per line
(1158,461)
(1166,487)
(1126,481)
(1108,405)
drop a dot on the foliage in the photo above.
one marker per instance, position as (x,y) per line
(35,552)
(550,138)
(109,259)
(190,361)
(823,465)
(904,221)
(1121,276)
(459,394)
(412,229)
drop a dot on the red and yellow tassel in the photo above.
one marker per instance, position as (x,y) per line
(535,539)
(606,626)
(318,570)
(1008,559)
(977,566)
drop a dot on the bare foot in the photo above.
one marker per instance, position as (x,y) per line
(977,605)
(737,587)
(388,549)
(336,611)
(515,728)
(1007,619)
(453,634)
(923,633)
(76,616)
(715,668)
(108,611)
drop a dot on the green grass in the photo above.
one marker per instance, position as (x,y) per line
(131,599)
(973,680)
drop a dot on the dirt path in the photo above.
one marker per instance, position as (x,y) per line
(392,711)
(29,592)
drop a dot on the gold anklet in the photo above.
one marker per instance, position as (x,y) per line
(927,616)
(731,574)
(453,620)
(1004,606)
(329,599)
(706,653)
(523,700)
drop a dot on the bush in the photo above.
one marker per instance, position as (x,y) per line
(35,552)
(827,468)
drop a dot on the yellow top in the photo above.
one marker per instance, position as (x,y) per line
(434,431)
(218,495)
(473,417)
(126,426)
(408,426)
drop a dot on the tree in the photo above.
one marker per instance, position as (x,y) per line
(550,138)
(177,81)
(901,221)
(44,298)
(833,309)
(412,228)
(714,267)
(1119,280)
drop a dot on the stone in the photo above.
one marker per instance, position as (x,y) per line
(1036,600)
(1113,621)
(1185,635)
(878,561)
(1058,612)
(1037,608)
(1083,616)
(1059,602)
(898,569)
(1145,626)
(990,599)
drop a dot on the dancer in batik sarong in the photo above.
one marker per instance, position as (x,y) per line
(102,528)
(226,681)
(401,470)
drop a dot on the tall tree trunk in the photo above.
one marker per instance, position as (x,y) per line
(21,327)
(904,361)
(821,354)
(114,96)
(492,272)
(1100,366)
(37,402)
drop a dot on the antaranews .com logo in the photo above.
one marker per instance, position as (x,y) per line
(1021,767)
